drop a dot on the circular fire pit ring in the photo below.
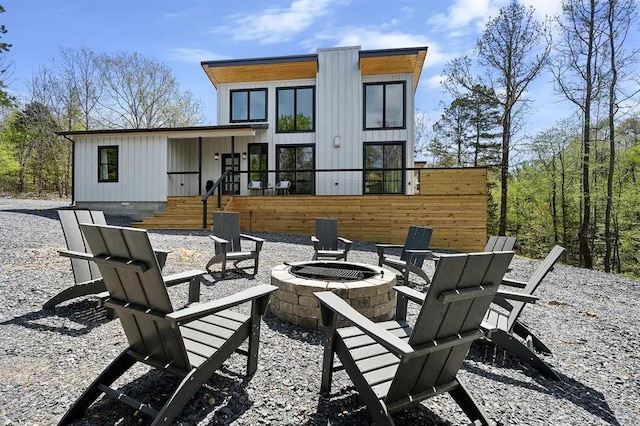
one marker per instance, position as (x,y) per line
(369,289)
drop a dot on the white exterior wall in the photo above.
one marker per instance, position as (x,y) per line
(142,169)
(339,114)
(182,157)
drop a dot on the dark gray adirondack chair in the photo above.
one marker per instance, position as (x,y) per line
(88,279)
(191,343)
(393,365)
(227,237)
(414,252)
(508,331)
(500,243)
(326,241)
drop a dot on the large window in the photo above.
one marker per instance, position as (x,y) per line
(295,164)
(295,108)
(249,105)
(107,164)
(258,164)
(383,163)
(384,105)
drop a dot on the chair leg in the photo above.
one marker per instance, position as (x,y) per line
(116,369)
(77,290)
(522,331)
(514,346)
(254,339)
(464,399)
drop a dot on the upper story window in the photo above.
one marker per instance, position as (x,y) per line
(107,163)
(249,105)
(295,109)
(384,105)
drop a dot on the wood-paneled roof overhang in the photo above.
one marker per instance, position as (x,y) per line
(372,62)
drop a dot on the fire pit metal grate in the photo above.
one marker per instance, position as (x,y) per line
(334,271)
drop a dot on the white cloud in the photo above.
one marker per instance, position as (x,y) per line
(464,12)
(277,24)
(185,54)
(544,8)
(369,38)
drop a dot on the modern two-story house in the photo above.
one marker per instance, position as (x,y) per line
(337,122)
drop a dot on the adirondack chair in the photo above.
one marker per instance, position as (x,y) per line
(500,243)
(326,241)
(88,279)
(227,237)
(414,252)
(191,343)
(393,365)
(507,331)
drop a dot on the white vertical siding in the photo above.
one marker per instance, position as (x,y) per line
(142,168)
(339,113)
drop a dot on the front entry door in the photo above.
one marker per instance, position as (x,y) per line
(231,184)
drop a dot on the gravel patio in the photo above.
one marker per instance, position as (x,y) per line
(48,357)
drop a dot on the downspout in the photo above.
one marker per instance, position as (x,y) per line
(73,169)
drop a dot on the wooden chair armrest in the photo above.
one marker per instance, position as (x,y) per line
(195,312)
(513,283)
(411,294)
(385,246)
(182,277)
(252,238)
(519,297)
(345,241)
(393,343)
(427,253)
(219,240)
(76,254)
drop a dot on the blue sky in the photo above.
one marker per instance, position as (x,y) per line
(183,33)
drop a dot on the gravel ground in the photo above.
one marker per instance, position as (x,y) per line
(589,319)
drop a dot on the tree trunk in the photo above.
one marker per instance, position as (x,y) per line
(504,171)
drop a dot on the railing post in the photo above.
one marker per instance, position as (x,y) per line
(204,214)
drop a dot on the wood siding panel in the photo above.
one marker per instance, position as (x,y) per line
(142,169)
(453,181)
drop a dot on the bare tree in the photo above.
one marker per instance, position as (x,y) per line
(513,50)
(142,93)
(621,14)
(577,68)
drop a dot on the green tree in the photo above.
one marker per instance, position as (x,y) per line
(5,98)
(512,51)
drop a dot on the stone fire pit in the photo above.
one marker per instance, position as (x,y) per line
(367,288)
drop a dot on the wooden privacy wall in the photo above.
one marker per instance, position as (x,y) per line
(452,201)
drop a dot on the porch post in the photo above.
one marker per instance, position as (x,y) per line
(200,165)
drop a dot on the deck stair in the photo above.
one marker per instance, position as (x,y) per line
(183,213)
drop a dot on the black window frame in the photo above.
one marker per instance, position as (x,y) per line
(282,175)
(384,85)
(263,173)
(248,92)
(295,106)
(365,169)
(115,164)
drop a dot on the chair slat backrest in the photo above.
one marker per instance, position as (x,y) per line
(418,238)
(327,233)
(479,276)
(534,281)
(147,331)
(500,243)
(83,270)
(227,225)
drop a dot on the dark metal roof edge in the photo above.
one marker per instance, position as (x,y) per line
(310,57)
(165,129)
(392,52)
(260,61)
